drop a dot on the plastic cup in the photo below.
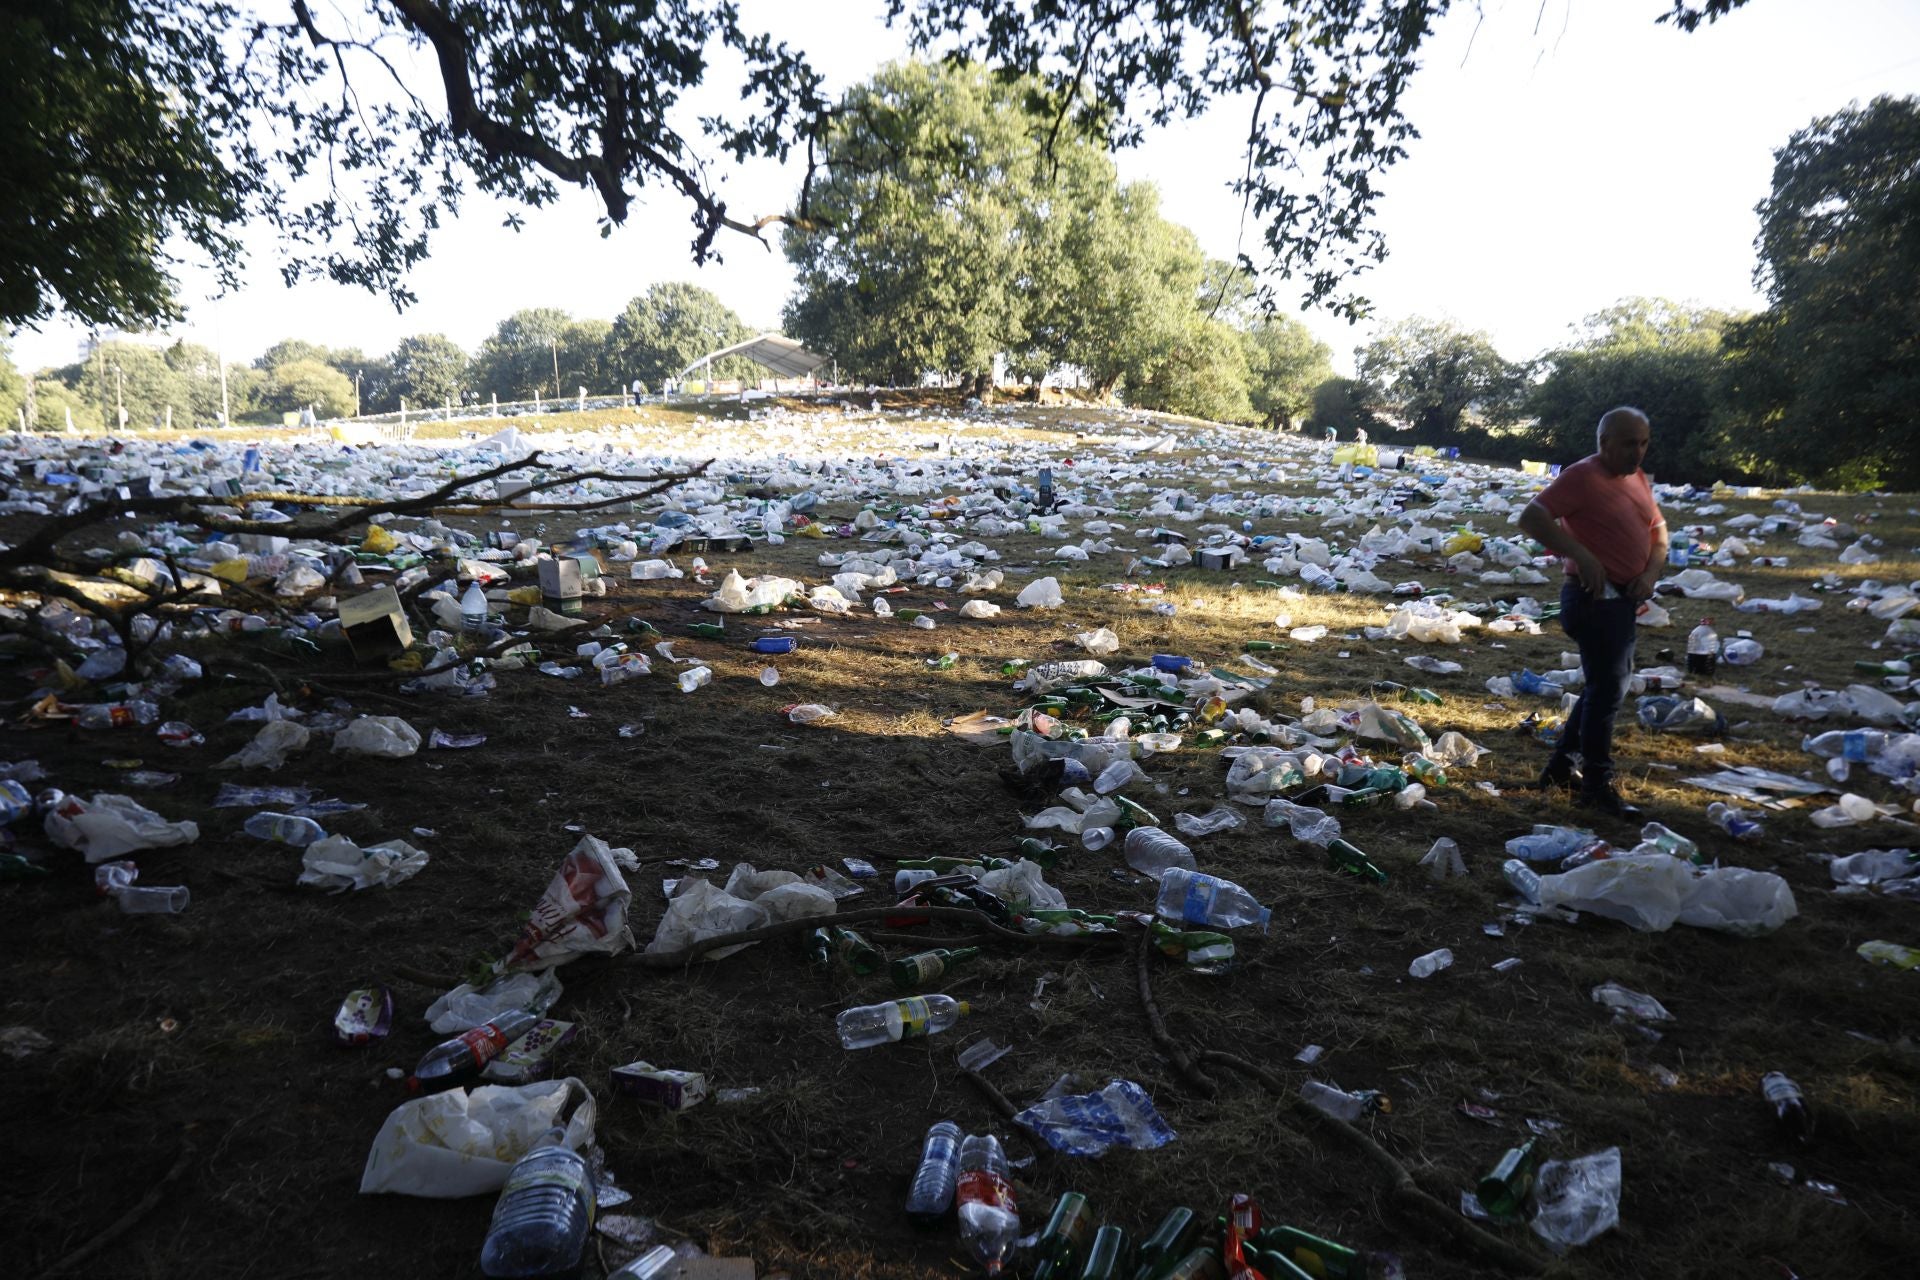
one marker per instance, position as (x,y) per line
(769,676)
(153,900)
(1095,839)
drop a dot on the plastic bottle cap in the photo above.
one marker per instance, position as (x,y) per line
(965,1008)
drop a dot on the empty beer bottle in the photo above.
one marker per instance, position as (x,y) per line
(1038,852)
(1261,646)
(1321,1259)
(709,630)
(1504,1190)
(1107,1254)
(830,942)
(943,863)
(1063,1243)
(1342,856)
(1170,1242)
(928,966)
(1201,1264)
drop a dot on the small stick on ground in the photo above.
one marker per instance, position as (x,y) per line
(1157,1025)
(126,1221)
(1000,1101)
(1404,1190)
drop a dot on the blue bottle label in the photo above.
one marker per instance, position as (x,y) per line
(1200,894)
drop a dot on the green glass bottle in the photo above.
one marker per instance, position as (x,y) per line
(820,947)
(1504,1190)
(1196,948)
(907,615)
(1133,815)
(927,966)
(1201,1264)
(1038,852)
(860,955)
(1170,1242)
(1322,1259)
(1426,697)
(1261,646)
(943,862)
(1066,922)
(710,630)
(1275,1266)
(1107,1256)
(1063,1243)
(1342,856)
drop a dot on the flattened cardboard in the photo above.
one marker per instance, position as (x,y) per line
(374,625)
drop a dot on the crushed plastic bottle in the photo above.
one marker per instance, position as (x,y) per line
(989,1216)
(284,828)
(1737,823)
(1655,838)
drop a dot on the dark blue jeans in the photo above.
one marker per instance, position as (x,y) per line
(1604,632)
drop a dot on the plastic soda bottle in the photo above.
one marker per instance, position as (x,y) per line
(1703,649)
(864,1026)
(544,1215)
(464,1057)
(989,1217)
(1063,1243)
(284,828)
(932,1193)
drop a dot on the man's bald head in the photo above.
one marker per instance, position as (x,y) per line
(1621,439)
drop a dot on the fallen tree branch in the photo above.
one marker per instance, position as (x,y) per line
(1401,1185)
(1157,1025)
(126,1221)
(998,1100)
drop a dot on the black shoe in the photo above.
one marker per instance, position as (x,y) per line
(1604,799)
(1558,773)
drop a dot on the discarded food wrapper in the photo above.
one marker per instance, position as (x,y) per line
(1091,1124)
(441,740)
(389,737)
(270,748)
(530,1057)
(674,1090)
(582,912)
(365,1015)
(464,1142)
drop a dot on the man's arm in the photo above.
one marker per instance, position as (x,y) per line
(1539,524)
(1642,586)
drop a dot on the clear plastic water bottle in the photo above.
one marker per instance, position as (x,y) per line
(1198,898)
(1669,842)
(1431,963)
(116,715)
(1524,879)
(473,609)
(1549,844)
(989,1216)
(284,828)
(1703,649)
(1151,851)
(932,1193)
(544,1215)
(867,1025)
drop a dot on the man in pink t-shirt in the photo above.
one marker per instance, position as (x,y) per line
(1600,517)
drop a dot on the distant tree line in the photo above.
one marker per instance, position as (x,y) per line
(540,351)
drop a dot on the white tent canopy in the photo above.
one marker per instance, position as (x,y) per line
(774,351)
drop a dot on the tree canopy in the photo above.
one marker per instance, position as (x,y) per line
(139,127)
(1435,371)
(670,326)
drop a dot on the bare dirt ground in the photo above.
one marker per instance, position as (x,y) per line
(192,1059)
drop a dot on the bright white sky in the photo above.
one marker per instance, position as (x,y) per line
(1560,169)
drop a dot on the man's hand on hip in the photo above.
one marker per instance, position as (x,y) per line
(1592,577)
(1641,588)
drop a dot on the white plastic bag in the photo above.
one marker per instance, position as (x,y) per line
(1099,642)
(1642,891)
(698,910)
(466,1006)
(464,1143)
(1024,885)
(1739,900)
(737,594)
(389,737)
(979,609)
(582,912)
(270,748)
(1041,593)
(108,826)
(339,864)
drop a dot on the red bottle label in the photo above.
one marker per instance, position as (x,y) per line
(484,1043)
(981,1186)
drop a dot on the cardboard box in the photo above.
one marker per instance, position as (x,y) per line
(1219,557)
(259,544)
(374,625)
(674,1090)
(560,578)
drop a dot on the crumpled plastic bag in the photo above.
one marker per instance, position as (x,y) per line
(582,912)
(1577,1199)
(466,1006)
(1041,593)
(1699,584)
(1428,623)
(337,863)
(784,895)
(1807,704)
(1454,749)
(1024,885)
(1099,642)
(1091,1124)
(1258,772)
(1665,713)
(700,910)
(1219,818)
(464,1142)
(979,609)
(1652,892)
(108,826)
(270,748)
(738,595)
(1381,724)
(827,599)
(389,737)
(1873,705)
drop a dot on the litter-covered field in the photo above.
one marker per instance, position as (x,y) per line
(1281,638)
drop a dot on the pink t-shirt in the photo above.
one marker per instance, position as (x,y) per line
(1612,516)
